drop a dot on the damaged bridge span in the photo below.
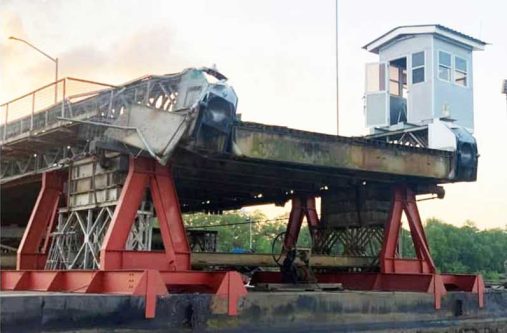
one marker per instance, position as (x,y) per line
(96,168)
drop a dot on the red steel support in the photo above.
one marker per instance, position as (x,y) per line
(145,273)
(396,274)
(301,208)
(404,200)
(294,226)
(31,251)
(227,286)
(170,268)
(469,283)
(145,173)
(414,282)
(156,273)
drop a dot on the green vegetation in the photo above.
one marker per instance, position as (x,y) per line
(455,249)
(464,249)
(235,229)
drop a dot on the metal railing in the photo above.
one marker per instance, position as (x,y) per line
(27,113)
(49,132)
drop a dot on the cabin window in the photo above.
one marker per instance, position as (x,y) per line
(398,77)
(418,67)
(444,66)
(460,71)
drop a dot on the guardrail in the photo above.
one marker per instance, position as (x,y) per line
(26,113)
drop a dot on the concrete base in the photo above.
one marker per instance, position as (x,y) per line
(345,311)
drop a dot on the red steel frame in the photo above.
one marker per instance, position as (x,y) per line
(301,208)
(145,273)
(147,173)
(404,201)
(150,273)
(31,251)
(396,274)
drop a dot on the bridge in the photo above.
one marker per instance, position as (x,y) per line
(94,154)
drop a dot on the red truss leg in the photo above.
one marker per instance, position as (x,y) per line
(404,200)
(294,226)
(32,252)
(173,265)
(145,173)
(312,218)
(301,208)
(393,268)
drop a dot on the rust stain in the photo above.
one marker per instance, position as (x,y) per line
(343,155)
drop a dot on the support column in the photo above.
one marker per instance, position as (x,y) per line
(31,252)
(312,218)
(301,207)
(404,201)
(145,173)
(294,226)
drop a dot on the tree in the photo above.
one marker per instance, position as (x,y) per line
(463,249)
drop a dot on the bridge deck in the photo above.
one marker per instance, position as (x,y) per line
(266,164)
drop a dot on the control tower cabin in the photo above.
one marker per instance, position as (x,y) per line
(424,76)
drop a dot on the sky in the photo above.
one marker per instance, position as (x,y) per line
(278,55)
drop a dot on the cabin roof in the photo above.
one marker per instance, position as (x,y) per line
(434,29)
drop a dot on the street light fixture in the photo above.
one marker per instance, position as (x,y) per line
(55,60)
(504,87)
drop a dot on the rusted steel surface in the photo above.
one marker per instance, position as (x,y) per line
(203,259)
(345,311)
(218,183)
(30,144)
(219,162)
(271,143)
(208,259)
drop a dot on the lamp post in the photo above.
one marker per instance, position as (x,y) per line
(55,60)
(337,81)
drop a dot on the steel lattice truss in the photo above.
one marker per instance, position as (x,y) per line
(78,237)
(352,241)
(27,164)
